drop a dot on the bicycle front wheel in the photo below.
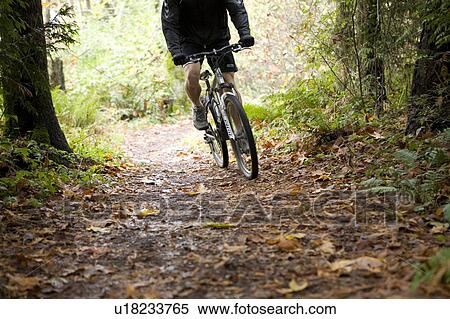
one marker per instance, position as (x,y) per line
(216,141)
(243,145)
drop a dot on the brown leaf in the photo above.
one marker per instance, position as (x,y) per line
(23,283)
(286,244)
(255,238)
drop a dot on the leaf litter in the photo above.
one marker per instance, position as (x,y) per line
(96,243)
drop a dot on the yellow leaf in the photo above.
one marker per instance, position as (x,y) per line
(198,189)
(293,287)
(295,236)
(148,212)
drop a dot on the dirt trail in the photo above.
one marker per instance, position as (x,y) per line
(208,233)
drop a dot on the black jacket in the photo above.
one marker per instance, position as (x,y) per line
(202,22)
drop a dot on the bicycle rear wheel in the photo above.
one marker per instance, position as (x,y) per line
(244,144)
(216,141)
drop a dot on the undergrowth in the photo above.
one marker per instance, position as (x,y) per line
(30,172)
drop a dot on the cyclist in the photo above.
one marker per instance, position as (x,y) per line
(194,26)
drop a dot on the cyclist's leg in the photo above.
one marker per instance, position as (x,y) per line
(229,78)
(192,85)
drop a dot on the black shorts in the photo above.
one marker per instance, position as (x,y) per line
(228,64)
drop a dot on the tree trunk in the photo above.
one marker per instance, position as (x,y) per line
(57,79)
(342,39)
(374,62)
(26,90)
(429,107)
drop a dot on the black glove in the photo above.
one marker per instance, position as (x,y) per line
(179,59)
(247,41)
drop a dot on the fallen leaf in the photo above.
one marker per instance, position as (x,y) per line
(323,177)
(148,212)
(327,247)
(293,287)
(182,154)
(219,225)
(198,189)
(23,283)
(439,228)
(366,263)
(286,244)
(96,229)
(343,264)
(295,236)
(376,135)
(369,263)
(233,249)
(255,238)
(295,190)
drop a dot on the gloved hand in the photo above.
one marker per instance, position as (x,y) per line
(179,59)
(247,41)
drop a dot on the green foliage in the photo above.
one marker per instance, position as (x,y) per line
(436,271)
(94,144)
(315,106)
(31,172)
(262,112)
(76,110)
(421,170)
(122,61)
(436,13)
(407,157)
(59,32)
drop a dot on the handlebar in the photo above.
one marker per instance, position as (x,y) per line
(197,57)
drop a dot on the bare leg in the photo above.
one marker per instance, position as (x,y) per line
(192,85)
(229,78)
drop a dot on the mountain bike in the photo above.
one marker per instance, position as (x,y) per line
(226,116)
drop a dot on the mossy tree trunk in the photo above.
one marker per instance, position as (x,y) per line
(25,79)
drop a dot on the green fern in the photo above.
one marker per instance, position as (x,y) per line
(373,182)
(383,189)
(408,158)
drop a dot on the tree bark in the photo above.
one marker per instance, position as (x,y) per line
(429,107)
(374,67)
(25,80)
(57,79)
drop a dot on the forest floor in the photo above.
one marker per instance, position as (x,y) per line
(170,224)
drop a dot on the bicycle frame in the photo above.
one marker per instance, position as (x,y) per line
(219,88)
